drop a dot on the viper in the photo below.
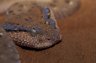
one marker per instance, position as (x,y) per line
(31,29)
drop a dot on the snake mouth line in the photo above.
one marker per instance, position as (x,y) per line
(36,37)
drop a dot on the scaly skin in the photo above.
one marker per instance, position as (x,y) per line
(29,29)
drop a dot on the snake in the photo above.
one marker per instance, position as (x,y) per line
(27,27)
(31,30)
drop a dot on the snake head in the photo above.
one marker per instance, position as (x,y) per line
(38,36)
(34,32)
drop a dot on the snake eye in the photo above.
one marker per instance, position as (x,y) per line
(36,30)
(1,34)
(33,30)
